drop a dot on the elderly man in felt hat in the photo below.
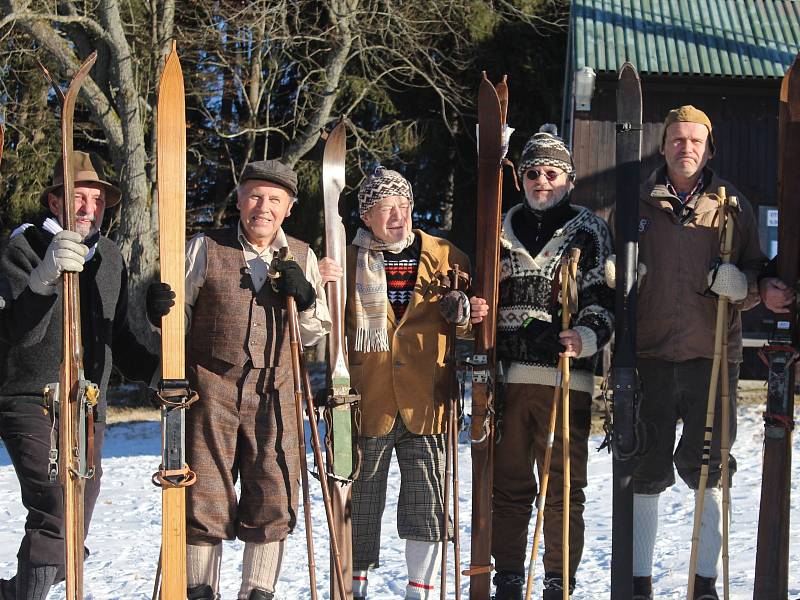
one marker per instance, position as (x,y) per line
(30,354)
(679,246)
(397,315)
(243,428)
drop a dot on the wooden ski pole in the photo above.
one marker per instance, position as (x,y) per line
(297,357)
(451,454)
(568,292)
(726,238)
(301,436)
(456,521)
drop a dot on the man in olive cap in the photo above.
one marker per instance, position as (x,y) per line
(243,428)
(30,354)
(678,244)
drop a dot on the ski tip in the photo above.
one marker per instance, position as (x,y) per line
(484,77)
(174,46)
(628,70)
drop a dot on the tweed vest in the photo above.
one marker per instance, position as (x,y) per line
(232,322)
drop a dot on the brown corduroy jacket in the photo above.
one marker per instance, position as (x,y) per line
(675,321)
(411,378)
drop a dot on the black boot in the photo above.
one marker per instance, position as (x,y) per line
(554,587)
(257,594)
(508,585)
(201,592)
(34,583)
(704,588)
(642,588)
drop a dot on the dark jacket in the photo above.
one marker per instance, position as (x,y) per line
(31,325)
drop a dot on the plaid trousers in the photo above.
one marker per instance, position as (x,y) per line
(420,511)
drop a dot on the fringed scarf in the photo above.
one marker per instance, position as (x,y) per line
(371,296)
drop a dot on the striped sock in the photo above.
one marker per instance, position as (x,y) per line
(202,565)
(260,567)
(423,560)
(359,584)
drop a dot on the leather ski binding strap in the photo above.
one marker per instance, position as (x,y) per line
(478,570)
(171,389)
(176,478)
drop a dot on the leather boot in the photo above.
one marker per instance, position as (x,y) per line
(642,588)
(508,586)
(705,588)
(34,583)
(256,594)
(8,588)
(554,587)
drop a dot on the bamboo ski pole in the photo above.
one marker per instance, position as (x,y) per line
(725,450)
(726,239)
(548,453)
(568,292)
(294,340)
(451,455)
(301,436)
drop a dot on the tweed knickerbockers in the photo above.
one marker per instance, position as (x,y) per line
(420,512)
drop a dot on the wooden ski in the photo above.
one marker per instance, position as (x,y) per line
(772,554)
(73,399)
(174,474)
(624,377)
(342,402)
(492,104)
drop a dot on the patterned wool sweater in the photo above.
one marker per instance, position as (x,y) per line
(526,290)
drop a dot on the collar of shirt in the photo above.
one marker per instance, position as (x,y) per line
(258,260)
(683,197)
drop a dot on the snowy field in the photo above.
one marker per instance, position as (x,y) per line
(124,537)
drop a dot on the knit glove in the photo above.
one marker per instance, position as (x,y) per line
(160,298)
(727,281)
(64,254)
(455,308)
(611,272)
(292,282)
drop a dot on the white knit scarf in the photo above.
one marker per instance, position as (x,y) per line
(371,295)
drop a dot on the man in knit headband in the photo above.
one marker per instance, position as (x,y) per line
(398,309)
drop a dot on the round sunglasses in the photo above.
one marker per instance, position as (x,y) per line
(534,174)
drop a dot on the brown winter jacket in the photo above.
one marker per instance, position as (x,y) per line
(411,378)
(675,322)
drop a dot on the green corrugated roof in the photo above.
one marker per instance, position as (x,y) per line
(728,38)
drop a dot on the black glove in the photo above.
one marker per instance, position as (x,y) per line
(293,283)
(543,334)
(160,298)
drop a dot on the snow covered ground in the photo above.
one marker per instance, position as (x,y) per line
(124,537)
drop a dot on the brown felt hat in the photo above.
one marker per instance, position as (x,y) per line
(688,114)
(86,168)
(273,171)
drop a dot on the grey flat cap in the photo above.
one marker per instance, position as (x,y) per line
(273,171)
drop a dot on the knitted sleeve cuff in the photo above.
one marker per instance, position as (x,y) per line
(588,341)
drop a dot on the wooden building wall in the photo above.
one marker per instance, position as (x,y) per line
(742,112)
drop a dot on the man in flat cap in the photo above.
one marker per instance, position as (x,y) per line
(244,428)
(679,246)
(30,354)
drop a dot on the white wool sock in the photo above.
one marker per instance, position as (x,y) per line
(709,546)
(261,565)
(202,565)
(645,528)
(359,584)
(423,560)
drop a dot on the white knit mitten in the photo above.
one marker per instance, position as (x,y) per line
(611,272)
(728,282)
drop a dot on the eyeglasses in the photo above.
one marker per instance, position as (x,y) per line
(534,174)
